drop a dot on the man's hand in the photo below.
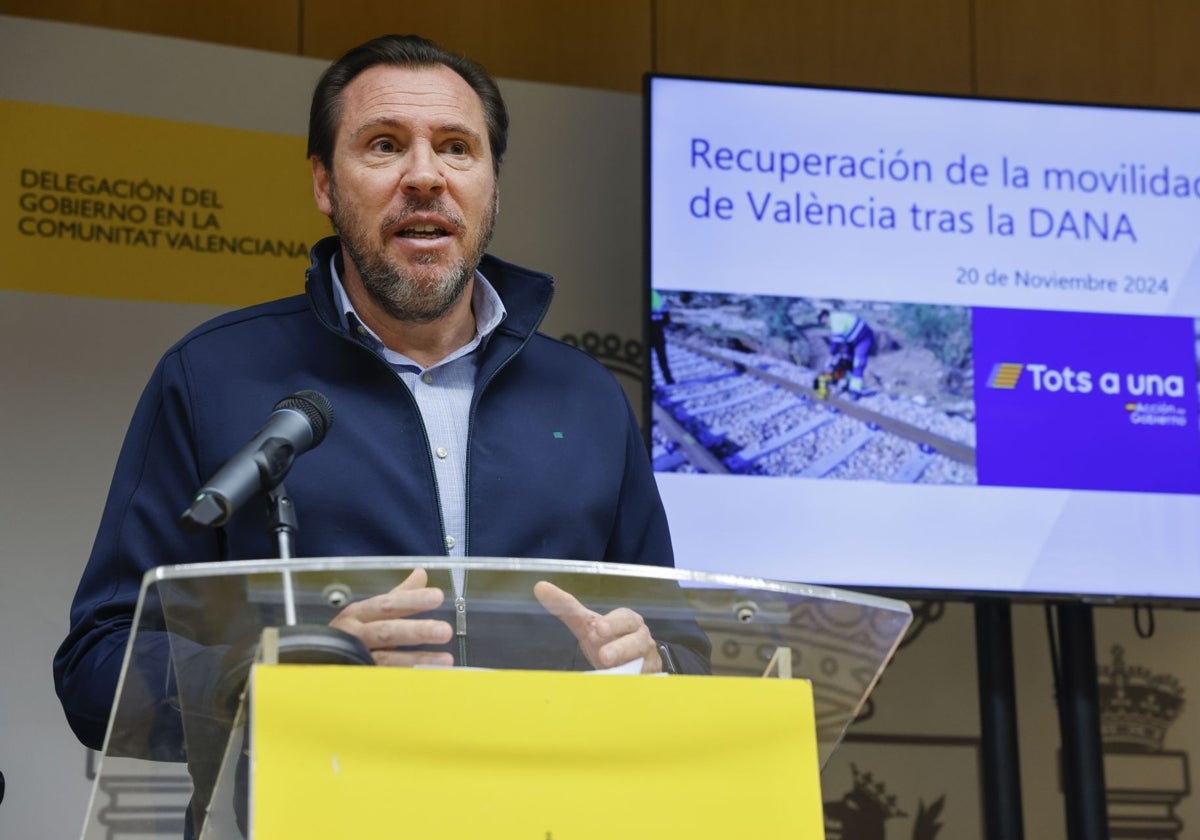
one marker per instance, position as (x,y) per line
(606,640)
(384,626)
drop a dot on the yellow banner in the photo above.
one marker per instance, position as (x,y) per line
(117,206)
(392,752)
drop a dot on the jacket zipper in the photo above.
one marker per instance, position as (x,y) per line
(460,621)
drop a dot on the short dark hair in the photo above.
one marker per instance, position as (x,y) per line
(399,51)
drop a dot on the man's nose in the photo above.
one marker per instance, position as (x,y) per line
(423,175)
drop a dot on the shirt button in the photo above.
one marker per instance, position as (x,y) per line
(441,452)
(362,330)
(427,378)
(449,541)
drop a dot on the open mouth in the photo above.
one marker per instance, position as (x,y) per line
(422,232)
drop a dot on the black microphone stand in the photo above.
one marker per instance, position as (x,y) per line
(282,522)
(310,643)
(281,519)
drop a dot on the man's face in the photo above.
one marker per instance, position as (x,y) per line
(412,191)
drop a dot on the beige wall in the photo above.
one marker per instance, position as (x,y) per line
(1109,51)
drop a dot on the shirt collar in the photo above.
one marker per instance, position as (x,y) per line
(485,303)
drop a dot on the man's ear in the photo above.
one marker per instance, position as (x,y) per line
(321,178)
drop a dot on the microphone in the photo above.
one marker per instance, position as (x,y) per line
(296,425)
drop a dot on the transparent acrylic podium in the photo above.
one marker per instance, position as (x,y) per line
(198,630)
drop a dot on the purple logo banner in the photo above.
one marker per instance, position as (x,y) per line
(1086,401)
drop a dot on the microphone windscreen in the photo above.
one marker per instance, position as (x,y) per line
(315,406)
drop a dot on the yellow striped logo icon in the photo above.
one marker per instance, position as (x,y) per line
(1005,375)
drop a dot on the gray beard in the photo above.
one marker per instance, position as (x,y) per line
(399,293)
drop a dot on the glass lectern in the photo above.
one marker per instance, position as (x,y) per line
(179,757)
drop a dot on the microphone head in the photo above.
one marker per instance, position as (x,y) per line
(313,405)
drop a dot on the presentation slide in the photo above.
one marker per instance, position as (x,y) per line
(908,342)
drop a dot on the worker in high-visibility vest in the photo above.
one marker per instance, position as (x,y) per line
(850,342)
(660,317)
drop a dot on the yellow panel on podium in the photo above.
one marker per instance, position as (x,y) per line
(529,755)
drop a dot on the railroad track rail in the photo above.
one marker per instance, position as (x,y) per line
(743,412)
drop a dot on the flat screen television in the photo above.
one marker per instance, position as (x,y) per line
(925,344)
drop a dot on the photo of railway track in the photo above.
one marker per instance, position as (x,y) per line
(777,386)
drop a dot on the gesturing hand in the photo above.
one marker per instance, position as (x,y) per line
(608,640)
(384,625)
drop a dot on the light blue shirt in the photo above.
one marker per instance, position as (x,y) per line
(443,393)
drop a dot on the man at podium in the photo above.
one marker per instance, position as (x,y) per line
(460,429)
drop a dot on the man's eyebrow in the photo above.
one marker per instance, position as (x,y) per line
(463,129)
(375,125)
